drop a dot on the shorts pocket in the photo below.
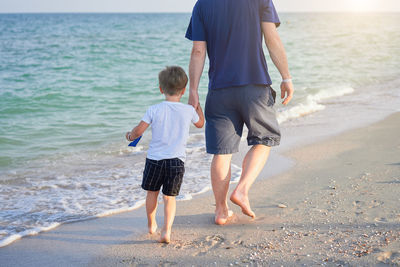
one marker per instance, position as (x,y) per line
(264,96)
(272,96)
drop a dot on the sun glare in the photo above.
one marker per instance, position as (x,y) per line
(361,5)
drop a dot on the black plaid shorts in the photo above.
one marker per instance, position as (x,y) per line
(167,173)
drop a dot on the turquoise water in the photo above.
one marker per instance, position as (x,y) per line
(73,82)
(71,85)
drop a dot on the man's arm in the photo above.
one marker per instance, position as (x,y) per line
(137,131)
(278,56)
(196,66)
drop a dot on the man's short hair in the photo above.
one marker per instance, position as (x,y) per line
(172,80)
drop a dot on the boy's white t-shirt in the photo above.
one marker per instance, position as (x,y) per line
(170,123)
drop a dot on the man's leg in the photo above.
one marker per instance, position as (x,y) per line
(220,178)
(151,208)
(253,163)
(169,216)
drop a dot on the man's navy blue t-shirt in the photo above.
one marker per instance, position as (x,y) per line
(232,30)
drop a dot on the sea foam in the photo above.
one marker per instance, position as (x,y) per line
(34,231)
(312,103)
(78,187)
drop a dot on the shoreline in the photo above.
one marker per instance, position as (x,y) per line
(337,206)
(315,124)
(82,243)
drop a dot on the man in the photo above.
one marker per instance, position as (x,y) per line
(239,89)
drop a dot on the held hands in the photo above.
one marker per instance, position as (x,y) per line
(199,112)
(287,90)
(198,109)
(193,98)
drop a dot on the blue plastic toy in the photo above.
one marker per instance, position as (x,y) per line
(134,142)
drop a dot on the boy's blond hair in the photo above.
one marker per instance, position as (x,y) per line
(172,80)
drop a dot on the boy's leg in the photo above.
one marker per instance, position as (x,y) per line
(151,208)
(220,178)
(174,171)
(253,163)
(169,216)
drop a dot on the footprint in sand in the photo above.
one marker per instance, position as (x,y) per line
(208,243)
(237,242)
(358,205)
(214,240)
(380,219)
(183,245)
(375,203)
(388,257)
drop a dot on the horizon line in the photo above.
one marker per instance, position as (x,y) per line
(189,12)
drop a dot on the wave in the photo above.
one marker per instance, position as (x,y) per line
(34,231)
(312,104)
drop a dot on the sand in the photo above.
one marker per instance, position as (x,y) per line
(339,205)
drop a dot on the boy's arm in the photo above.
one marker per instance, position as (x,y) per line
(199,111)
(137,131)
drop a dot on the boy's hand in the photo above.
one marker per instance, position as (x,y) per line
(199,112)
(137,131)
(128,136)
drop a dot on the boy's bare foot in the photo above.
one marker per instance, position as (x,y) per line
(165,236)
(243,202)
(222,217)
(152,228)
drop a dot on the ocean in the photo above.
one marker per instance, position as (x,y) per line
(71,85)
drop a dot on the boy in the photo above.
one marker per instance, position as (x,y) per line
(170,121)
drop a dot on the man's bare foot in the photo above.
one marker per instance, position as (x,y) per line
(152,228)
(243,202)
(165,236)
(222,217)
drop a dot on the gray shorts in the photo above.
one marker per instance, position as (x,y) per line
(228,109)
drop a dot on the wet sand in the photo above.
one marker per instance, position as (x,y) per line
(338,206)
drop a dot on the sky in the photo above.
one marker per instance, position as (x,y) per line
(19,6)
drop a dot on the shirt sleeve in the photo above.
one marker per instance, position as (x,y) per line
(268,12)
(148,117)
(195,116)
(196,30)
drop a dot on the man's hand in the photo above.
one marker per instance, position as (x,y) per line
(286,90)
(194,98)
